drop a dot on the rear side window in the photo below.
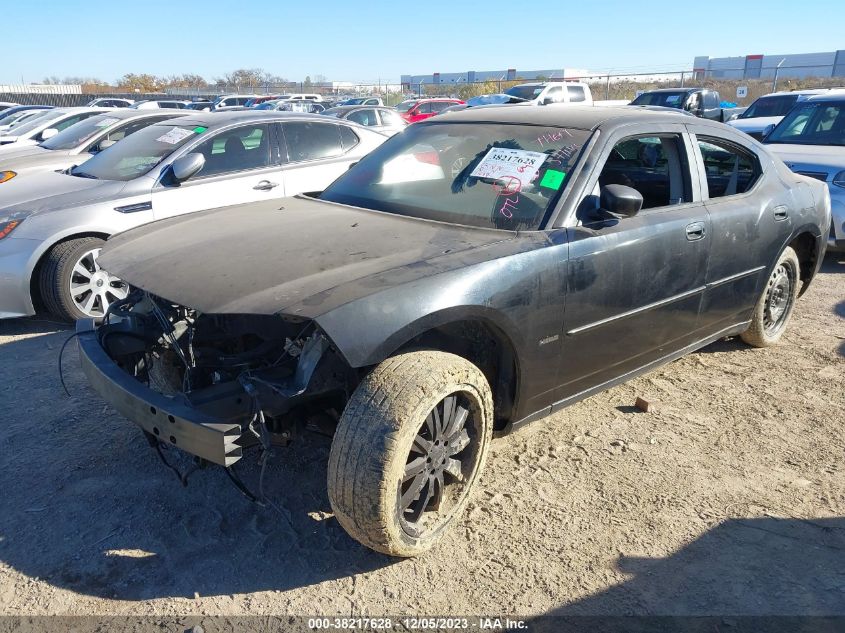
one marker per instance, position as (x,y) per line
(363,117)
(390,118)
(730,169)
(576,93)
(312,141)
(710,100)
(348,138)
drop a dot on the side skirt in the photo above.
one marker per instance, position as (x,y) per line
(537,415)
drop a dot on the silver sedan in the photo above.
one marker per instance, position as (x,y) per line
(52,225)
(385,120)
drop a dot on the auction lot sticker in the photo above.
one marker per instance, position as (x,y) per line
(174,135)
(510,165)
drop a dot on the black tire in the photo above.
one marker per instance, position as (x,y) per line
(776,302)
(385,423)
(57,272)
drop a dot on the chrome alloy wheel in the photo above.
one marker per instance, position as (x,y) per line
(93,289)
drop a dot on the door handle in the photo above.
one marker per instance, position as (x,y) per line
(695,231)
(265,185)
(781,212)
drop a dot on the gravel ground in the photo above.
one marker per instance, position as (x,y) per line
(728,498)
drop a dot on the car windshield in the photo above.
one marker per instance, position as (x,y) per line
(79,133)
(664,99)
(16,118)
(34,123)
(406,105)
(524,92)
(770,106)
(139,153)
(478,174)
(808,123)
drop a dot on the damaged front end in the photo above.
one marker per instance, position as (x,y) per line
(213,384)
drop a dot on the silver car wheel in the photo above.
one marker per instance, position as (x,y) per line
(92,288)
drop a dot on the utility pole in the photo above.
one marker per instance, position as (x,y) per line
(775,81)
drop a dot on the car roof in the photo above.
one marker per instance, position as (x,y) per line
(346,108)
(581,117)
(833,95)
(684,89)
(128,113)
(214,120)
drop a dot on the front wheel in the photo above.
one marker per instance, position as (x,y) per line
(409,449)
(73,286)
(775,305)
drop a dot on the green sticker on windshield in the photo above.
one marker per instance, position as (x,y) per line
(552,179)
(200,129)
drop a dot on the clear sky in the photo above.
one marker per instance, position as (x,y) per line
(368,40)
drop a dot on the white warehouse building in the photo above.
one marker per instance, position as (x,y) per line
(830,64)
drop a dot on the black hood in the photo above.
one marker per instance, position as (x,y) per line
(296,255)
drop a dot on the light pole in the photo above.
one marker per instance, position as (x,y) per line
(775,82)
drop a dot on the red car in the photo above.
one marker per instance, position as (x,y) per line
(419,109)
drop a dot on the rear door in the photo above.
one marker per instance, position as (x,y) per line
(634,284)
(242,164)
(751,216)
(315,154)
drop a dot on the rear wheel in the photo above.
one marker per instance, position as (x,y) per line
(775,305)
(409,449)
(73,286)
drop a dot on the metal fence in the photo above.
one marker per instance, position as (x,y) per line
(604,86)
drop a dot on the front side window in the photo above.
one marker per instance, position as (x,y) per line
(730,169)
(424,108)
(653,165)
(576,94)
(138,154)
(479,174)
(554,94)
(312,141)
(808,123)
(246,147)
(710,100)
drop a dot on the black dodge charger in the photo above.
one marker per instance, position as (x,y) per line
(476,272)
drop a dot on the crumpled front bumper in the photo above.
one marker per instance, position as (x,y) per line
(171,420)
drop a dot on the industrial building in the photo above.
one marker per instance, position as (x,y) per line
(830,64)
(411,82)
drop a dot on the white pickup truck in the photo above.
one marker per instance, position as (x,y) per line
(553,92)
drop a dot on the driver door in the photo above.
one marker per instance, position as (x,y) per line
(634,285)
(241,165)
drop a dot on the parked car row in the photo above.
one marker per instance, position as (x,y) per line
(433,294)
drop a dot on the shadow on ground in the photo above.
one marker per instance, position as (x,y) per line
(742,567)
(87,506)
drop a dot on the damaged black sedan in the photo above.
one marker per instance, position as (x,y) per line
(476,272)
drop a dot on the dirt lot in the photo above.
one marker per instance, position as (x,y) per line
(730,498)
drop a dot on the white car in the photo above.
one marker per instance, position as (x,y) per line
(766,112)
(811,141)
(16,116)
(110,102)
(228,102)
(163,104)
(552,93)
(40,128)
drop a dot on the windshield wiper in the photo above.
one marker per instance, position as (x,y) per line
(82,174)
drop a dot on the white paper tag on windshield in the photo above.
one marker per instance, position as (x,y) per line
(107,122)
(174,135)
(510,165)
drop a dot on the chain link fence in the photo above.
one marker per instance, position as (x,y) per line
(605,86)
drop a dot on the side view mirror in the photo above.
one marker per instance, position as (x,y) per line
(50,132)
(621,200)
(105,144)
(187,166)
(768,130)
